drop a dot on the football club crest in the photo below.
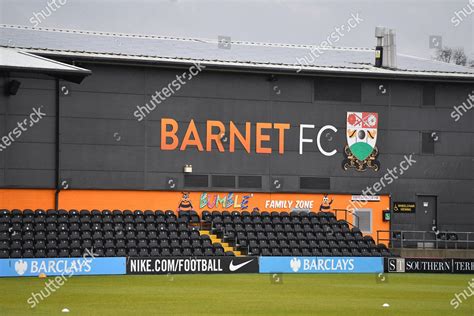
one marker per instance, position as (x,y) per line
(361,133)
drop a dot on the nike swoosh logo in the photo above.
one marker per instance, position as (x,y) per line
(236,267)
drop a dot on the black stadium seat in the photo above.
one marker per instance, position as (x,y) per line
(121,252)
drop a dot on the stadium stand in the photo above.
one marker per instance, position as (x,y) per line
(61,233)
(292,234)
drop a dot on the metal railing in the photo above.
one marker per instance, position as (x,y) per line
(426,239)
(225,235)
(355,216)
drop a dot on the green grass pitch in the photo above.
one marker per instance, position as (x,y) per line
(244,294)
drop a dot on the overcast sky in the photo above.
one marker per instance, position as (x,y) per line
(285,21)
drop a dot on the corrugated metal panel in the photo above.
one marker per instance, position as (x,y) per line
(13,59)
(254,55)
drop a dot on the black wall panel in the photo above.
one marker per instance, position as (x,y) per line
(449,95)
(112,79)
(335,89)
(29,160)
(200,109)
(100,157)
(100,105)
(29,178)
(95,179)
(114,132)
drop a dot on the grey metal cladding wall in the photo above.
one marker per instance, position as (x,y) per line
(207,85)
(100,131)
(428,119)
(95,105)
(384,93)
(130,180)
(104,146)
(3,129)
(238,162)
(29,160)
(449,95)
(102,158)
(456,216)
(184,108)
(115,79)
(449,172)
(100,135)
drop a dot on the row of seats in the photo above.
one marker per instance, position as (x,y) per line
(118,234)
(297,228)
(112,252)
(52,227)
(348,237)
(96,216)
(245,217)
(108,243)
(307,252)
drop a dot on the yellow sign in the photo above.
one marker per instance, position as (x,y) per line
(404,207)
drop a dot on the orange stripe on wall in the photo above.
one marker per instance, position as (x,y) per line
(119,200)
(26,199)
(170,200)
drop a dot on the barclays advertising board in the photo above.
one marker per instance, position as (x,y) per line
(321,265)
(62,266)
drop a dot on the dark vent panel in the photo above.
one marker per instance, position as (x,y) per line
(345,90)
(250,182)
(315,183)
(223,181)
(196,181)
